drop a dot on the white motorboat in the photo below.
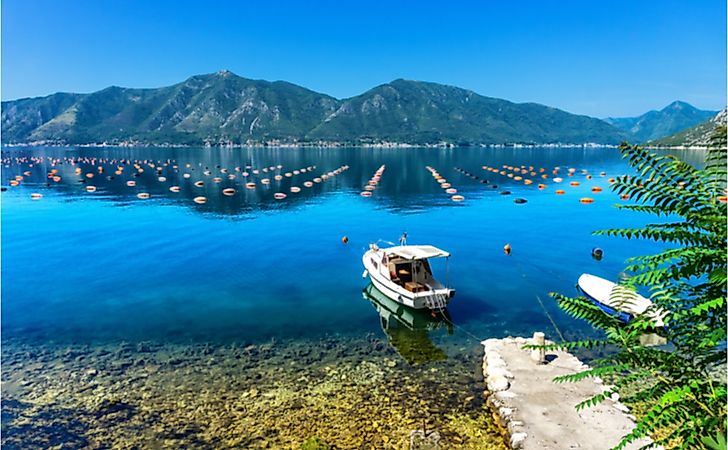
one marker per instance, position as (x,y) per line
(618,300)
(403,274)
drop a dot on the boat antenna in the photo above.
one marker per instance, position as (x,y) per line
(403,238)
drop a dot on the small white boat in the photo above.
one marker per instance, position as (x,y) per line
(403,274)
(618,300)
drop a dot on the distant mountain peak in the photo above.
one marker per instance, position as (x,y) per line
(678,104)
(671,119)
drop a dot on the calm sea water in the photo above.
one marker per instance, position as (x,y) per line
(107,266)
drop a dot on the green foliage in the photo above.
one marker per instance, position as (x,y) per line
(683,385)
(718,442)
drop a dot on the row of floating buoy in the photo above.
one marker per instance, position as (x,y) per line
(475,177)
(512,171)
(139,167)
(373,182)
(309,183)
(447,187)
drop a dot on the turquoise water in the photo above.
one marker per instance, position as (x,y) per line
(241,322)
(107,266)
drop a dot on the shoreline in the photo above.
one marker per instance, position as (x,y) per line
(348,393)
(300,146)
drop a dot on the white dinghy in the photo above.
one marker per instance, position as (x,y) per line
(403,274)
(618,300)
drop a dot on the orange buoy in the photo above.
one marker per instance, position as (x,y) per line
(295,189)
(143,195)
(278,177)
(457,198)
(200,200)
(541,186)
(174,189)
(588,177)
(586,200)
(624,197)
(560,192)
(596,189)
(507,249)
(36,196)
(89,175)
(56,178)
(445,185)
(250,185)
(611,180)
(723,199)
(199,183)
(527,181)
(279,196)
(90,188)
(13,183)
(228,191)
(344,240)
(308,184)
(518,178)
(366,194)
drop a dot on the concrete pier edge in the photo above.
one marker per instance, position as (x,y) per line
(501,373)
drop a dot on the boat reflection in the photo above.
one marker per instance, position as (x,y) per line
(408,330)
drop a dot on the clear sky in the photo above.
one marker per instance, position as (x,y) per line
(596,57)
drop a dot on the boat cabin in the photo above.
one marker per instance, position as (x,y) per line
(408,266)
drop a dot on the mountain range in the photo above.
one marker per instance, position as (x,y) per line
(697,136)
(675,117)
(223,107)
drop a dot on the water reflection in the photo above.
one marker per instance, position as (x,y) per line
(238,181)
(408,330)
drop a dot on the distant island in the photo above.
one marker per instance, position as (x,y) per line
(225,109)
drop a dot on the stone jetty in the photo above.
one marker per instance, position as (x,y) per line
(540,414)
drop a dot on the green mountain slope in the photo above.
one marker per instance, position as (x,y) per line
(419,112)
(223,106)
(673,118)
(697,136)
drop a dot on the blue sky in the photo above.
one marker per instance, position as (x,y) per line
(601,58)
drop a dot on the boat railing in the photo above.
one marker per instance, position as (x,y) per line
(436,301)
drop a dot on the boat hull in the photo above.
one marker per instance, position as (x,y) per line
(416,300)
(599,291)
